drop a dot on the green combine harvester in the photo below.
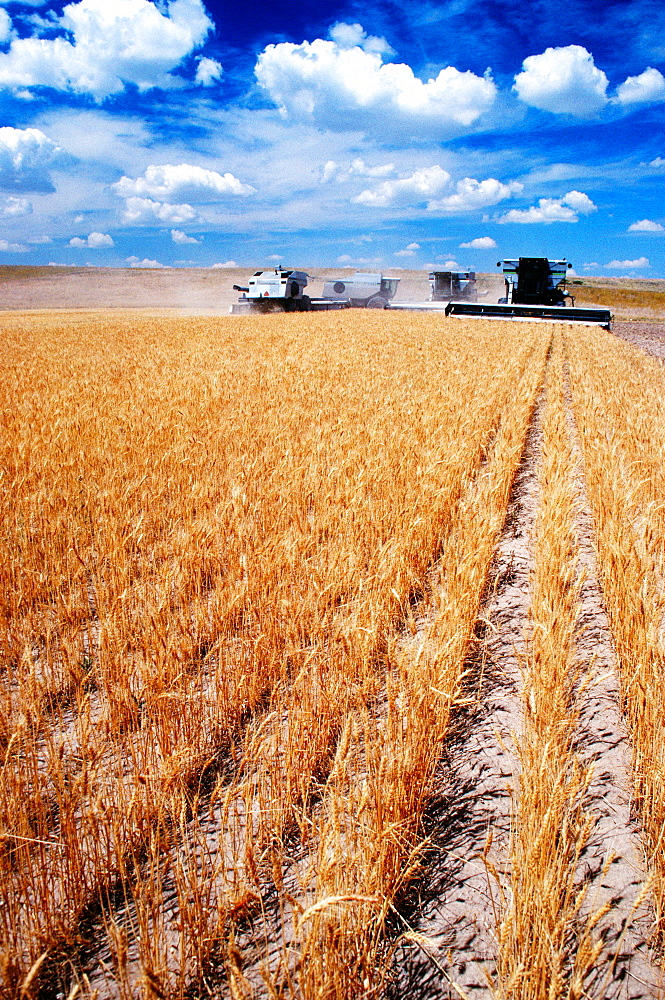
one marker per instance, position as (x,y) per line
(535,290)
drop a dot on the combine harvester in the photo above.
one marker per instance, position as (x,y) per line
(535,290)
(283,290)
(444,286)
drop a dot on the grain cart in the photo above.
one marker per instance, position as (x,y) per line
(372,291)
(535,290)
(447,285)
(276,290)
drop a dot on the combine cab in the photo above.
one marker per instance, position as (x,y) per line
(447,285)
(535,290)
(279,290)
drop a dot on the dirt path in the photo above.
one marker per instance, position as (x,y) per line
(650,336)
(456,912)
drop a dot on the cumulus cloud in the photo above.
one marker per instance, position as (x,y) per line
(345,82)
(227,263)
(104,46)
(480,243)
(564,81)
(471,194)
(178,236)
(658,163)
(347,36)
(358,261)
(147,210)
(333,171)
(359,168)
(146,262)
(208,72)
(94,241)
(25,158)
(646,88)
(408,251)
(420,186)
(6,247)
(628,264)
(646,226)
(566,209)
(182,181)
(14,207)
(5,26)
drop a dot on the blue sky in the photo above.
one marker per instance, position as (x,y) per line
(382,134)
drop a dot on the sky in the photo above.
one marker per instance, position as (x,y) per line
(379,135)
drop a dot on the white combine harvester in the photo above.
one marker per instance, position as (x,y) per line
(370,291)
(283,290)
(277,290)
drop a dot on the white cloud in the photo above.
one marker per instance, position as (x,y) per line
(360,169)
(15,207)
(629,264)
(146,262)
(450,265)
(358,261)
(646,88)
(178,236)
(417,187)
(105,46)
(658,163)
(579,202)
(566,209)
(564,81)
(6,247)
(5,26)
(94,241)
(593,263)
(147,210)
(228,263)
(184,181)
(208,72)
(347,36)
(334,171)
(646,226)
(329,172)
(472,194)
(345,81)
(480,243)
(40,239)
(408,251)
(25,158)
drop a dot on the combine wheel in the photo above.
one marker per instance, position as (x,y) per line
(305,304)
(377,303)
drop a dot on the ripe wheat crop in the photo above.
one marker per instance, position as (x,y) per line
(220,723)
(210,532)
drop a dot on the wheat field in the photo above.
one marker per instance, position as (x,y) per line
(245,562)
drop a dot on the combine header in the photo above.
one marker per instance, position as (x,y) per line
(535,290)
